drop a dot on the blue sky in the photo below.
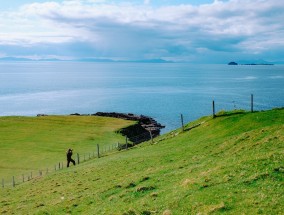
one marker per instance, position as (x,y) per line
(193,31)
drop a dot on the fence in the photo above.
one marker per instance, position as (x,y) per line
(249,105)
(79,158)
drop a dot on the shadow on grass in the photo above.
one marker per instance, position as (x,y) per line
(230,113)
(192,127)
(235,112)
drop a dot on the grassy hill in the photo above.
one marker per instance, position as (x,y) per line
(233,164)
(32,143)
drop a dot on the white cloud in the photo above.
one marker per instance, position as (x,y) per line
(147,1)
(249,26)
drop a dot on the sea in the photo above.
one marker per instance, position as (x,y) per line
(163,91)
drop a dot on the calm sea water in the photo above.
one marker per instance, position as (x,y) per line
(162,91)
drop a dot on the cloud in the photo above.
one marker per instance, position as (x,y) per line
(147,1)
(236,27)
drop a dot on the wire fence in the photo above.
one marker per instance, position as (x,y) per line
(100,151)
(79,158)
(223,104)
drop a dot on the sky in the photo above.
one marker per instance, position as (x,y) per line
(204,31)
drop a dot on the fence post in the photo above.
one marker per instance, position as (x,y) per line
(98,150)
(151,136)
(251,103)
(78,158)
(181,118)
(31,175)
(59,165)
(213,106)
(23,178)
(2,182)
(13,181)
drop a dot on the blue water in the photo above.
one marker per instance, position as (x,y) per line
(162,91)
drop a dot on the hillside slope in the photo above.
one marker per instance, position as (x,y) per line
(233,164)
(33,143)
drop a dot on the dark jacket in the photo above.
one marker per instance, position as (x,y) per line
(69,154)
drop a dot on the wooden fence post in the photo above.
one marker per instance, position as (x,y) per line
(181,118)
(251,103)
(151,136)
(2,182)
(78,158)
(23,178)
(213,106)
(98,150)
(13,181)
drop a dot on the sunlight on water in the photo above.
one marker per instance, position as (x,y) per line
(162,91)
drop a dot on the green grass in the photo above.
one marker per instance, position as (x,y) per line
(233,164)
(33,143)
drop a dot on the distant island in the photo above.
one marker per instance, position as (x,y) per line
(232,63)
(251,64)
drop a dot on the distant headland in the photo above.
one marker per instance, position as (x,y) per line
(95,60)
(145,129)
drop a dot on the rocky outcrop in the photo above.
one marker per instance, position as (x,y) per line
(142,131)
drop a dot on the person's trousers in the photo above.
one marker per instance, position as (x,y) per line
(70,160)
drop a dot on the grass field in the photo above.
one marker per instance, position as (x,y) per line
(233,164)
(33,143)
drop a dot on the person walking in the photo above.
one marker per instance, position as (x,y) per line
(69,154)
